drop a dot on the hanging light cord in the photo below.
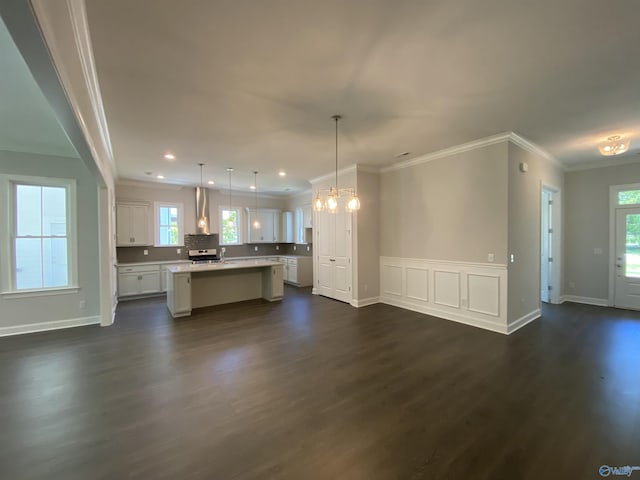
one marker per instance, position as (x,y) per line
(337,117)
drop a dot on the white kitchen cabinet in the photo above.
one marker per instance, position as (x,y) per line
(138,280)
(179,294)
(273,283)
(307,216)
(269,230)
(133,224)
(298,271)
(287,227)
(163,274)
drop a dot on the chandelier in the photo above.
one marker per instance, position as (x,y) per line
(614,145)
(328,199)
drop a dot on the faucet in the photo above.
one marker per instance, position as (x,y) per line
(222,252)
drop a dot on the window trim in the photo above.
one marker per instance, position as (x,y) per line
(8,217)
(240,224)
(156,223)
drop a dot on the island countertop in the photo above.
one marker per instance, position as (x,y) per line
(226,265)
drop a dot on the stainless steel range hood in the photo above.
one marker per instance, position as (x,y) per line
(202,211)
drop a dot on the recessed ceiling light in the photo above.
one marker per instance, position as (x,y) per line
(210,182)
(161,177)
(169,156)
(282,173)
(403,154)
(252,187)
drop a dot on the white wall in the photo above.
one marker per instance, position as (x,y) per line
(525,190)
(452,208)
(587,227)
(35,313)
(366,238)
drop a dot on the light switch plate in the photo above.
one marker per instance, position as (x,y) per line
(295,247)
(277,247)
(308,248)
(255,248)
(178,251)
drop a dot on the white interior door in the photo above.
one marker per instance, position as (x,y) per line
(342,255)
(627,266)
(545,245)
(334,254)
(325,245)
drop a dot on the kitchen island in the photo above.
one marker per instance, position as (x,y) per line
(204,285)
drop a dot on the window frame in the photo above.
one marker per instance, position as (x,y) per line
(156,223)
(239,217)
(8,217)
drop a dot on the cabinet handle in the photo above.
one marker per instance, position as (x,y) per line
(332,259)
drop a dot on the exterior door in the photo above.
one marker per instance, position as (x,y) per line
(627,266)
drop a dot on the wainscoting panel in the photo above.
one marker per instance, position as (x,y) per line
(470,293)
(484,293)
(446,287)
(417,281)
(392,280)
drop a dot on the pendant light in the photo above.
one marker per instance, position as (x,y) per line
(330,203)
(256,222)
(230,222)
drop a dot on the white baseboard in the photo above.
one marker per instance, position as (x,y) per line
(455,317)
(314,291)
(522,321)
(600,302)
(52,325)
(365,302)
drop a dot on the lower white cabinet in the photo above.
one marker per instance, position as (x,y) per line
(272,284)
(179,294)
(138,280)
(298,270)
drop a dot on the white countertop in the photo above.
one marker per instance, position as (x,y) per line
(151,262)
(227,265)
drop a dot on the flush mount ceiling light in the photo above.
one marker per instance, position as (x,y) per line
(160,177)
(210,182)
(614,145)
(169,156)
(333,194)
(256,222)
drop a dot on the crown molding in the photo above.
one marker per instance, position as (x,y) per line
(605,163)
(474,145)
(82,38)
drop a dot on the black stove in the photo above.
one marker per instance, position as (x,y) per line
(204,256)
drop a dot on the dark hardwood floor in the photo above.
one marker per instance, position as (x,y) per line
(314,389)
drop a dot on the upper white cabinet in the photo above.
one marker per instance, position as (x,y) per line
(132,224)
(287,227)
(307,216)
(269,229)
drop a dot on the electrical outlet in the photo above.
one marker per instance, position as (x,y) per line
(463,302)
(512,258)
(145,252)
(295,247)
(308,248)
(178,251)
(83,304)
(490,257)
(277,247)
(572,284)
(255,249)
(597,251)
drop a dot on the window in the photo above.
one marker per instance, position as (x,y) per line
(168,224)
(629,197)
(299,225)
(40,239)
(230,226)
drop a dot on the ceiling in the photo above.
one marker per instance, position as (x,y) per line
(253,85)
(27,122)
